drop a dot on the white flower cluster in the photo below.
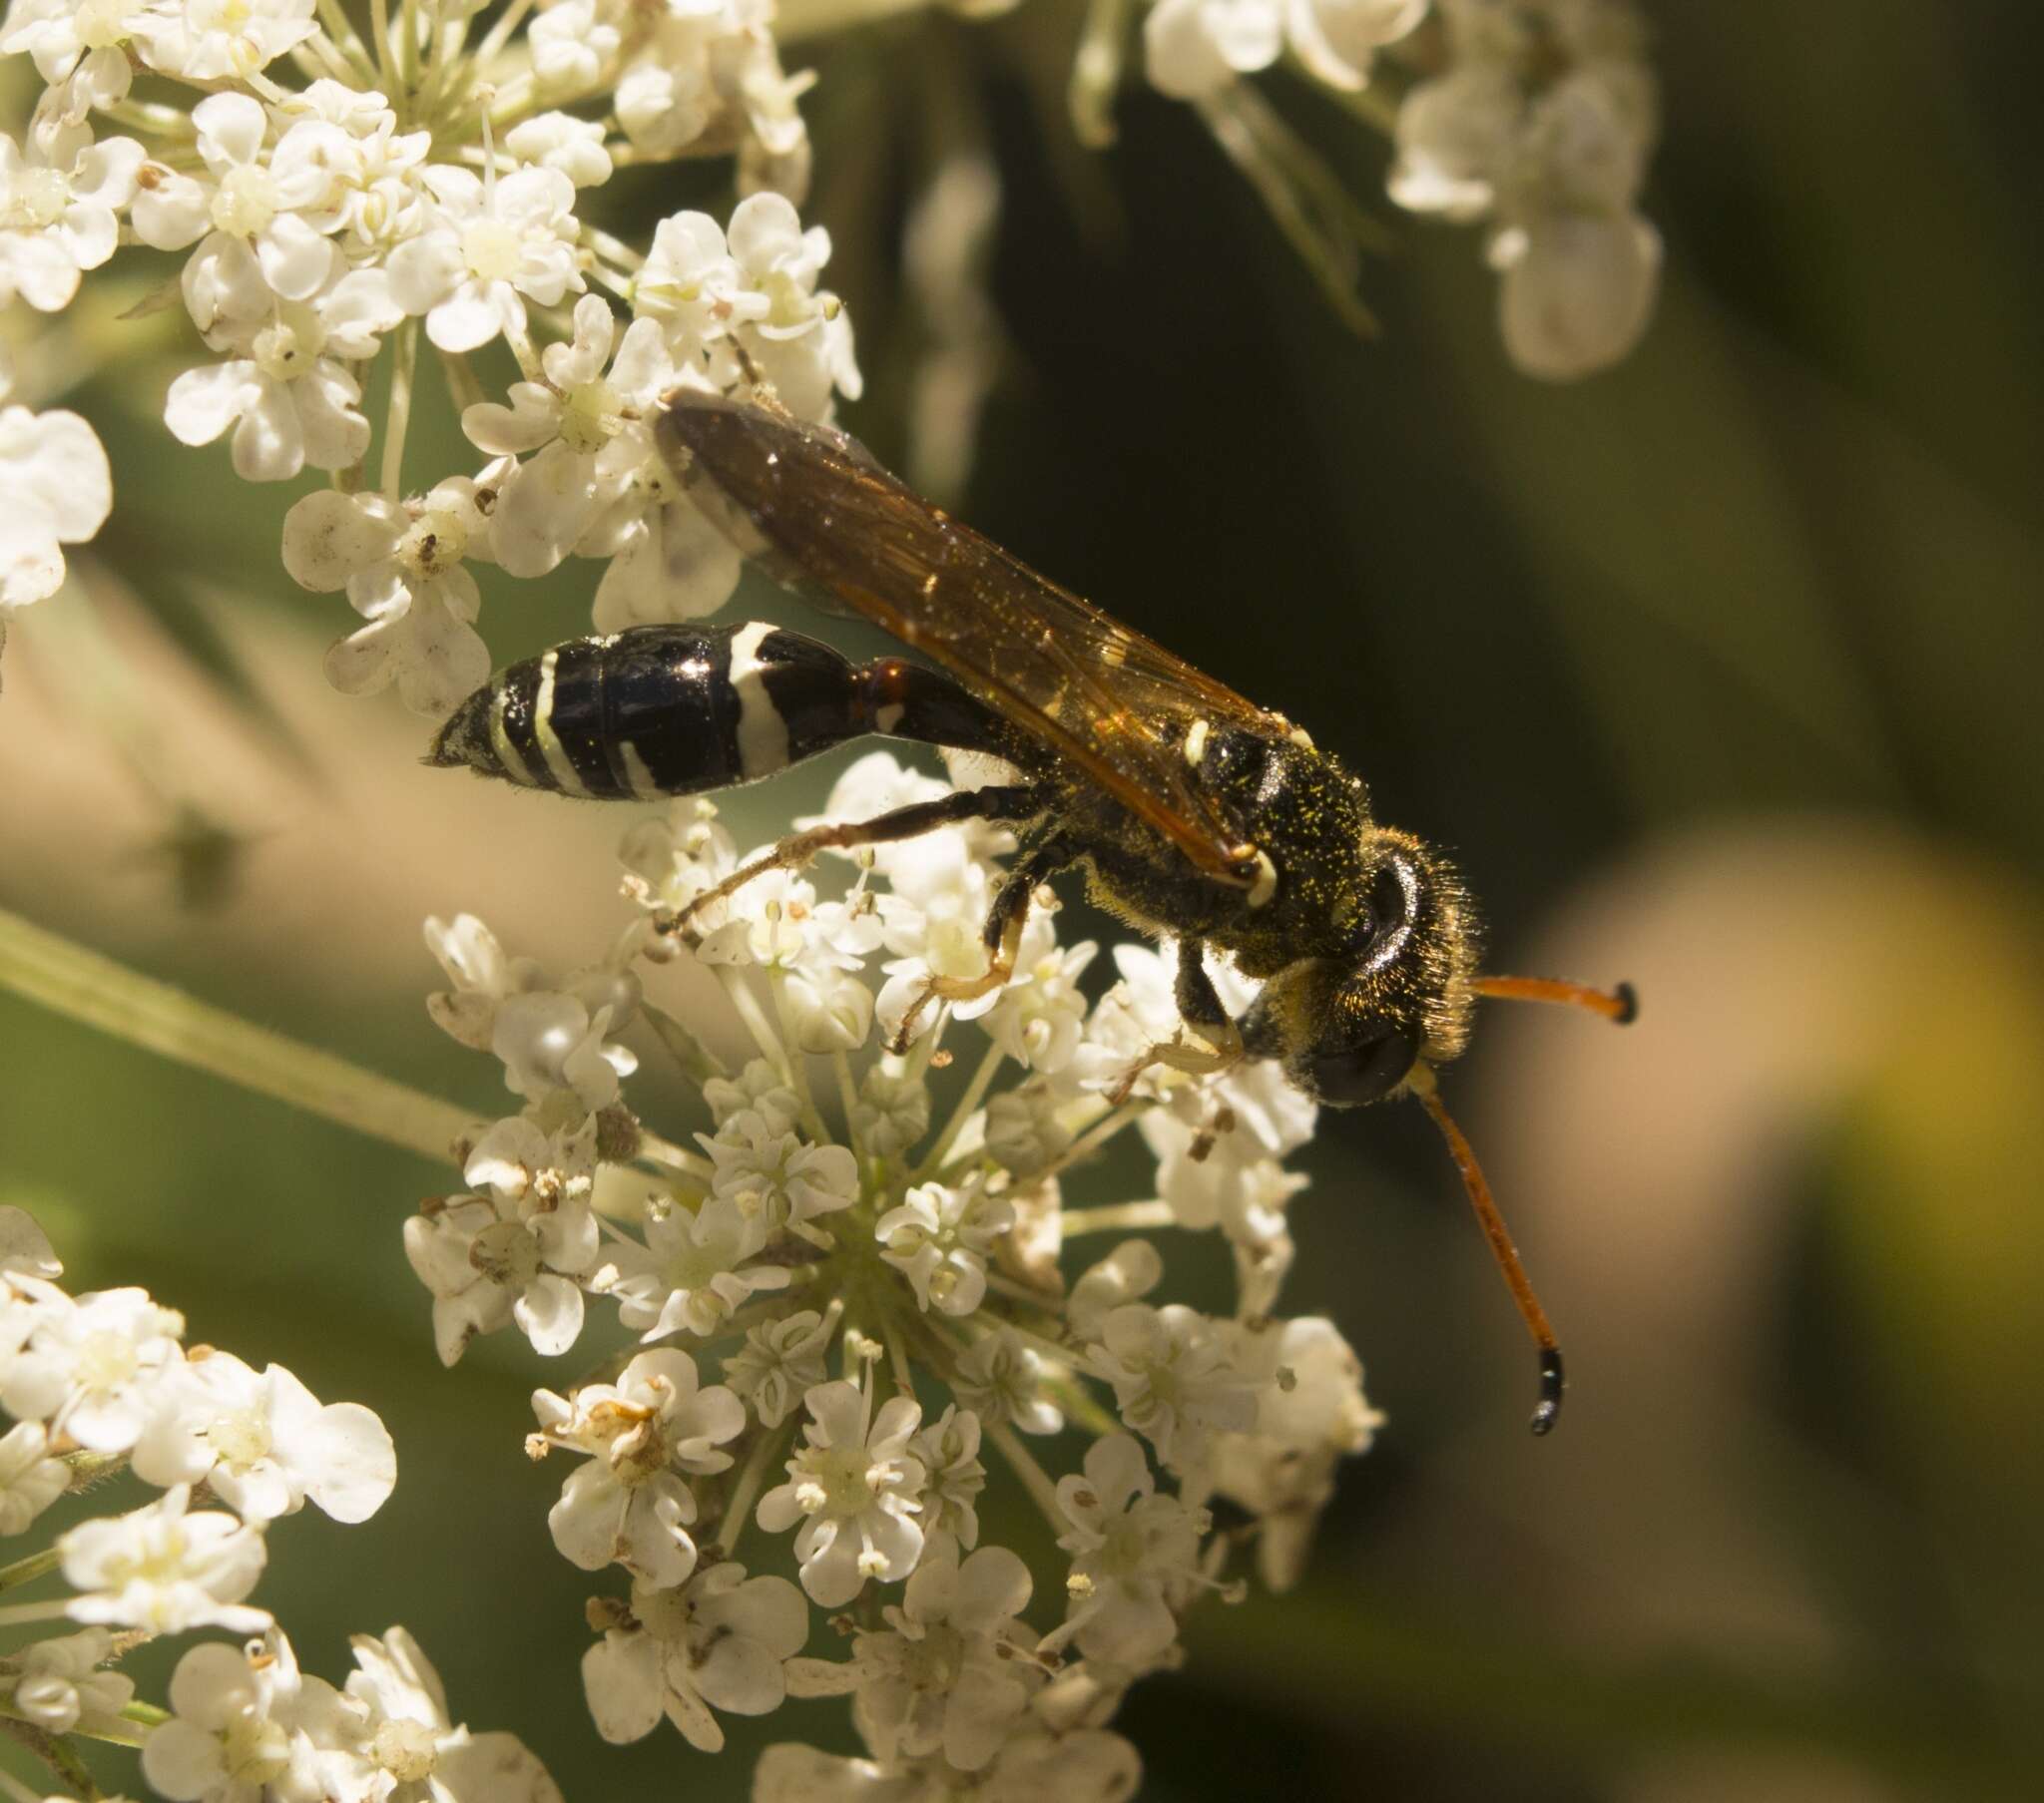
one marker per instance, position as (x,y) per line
(101,1381)
(844,1303)
(59,492)
(420,185)
(1542,125)
(1194,48)
(1536,116)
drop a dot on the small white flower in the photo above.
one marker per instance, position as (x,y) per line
(1194,48)
(203,41)
(1578,291)
(238,1723)
(951,1675)
(30,1480)
(573,43)
(799,338)
(949,1450)
(1453,139)
(94,1369)
(1000,1379)
(401,566)
(721,1643)
(761,1087)
(351,172)
(856,1489)
(60,1682)
(59,492)
(517,1253)
(629,1504)
(243,198)
(560,141)
(407,1734)
(1310,1417)
(289,394)
(262,1442)
(779,1362)
(1217,1154)
(1172,1378)
(1132,1549)
(488,246)
(25,1249)
(549,1042)
(58,214)
(772,1171)
(1338,39)
(690,284)
(484,975)
(1042,1011)
(893,1110)
(1024,1127)
(691,1274)
(939,1238)
(68,40)
(668,96)
(1127,1274)
(591,431)
(164,1570)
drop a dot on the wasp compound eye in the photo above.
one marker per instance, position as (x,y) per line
(1366,1067)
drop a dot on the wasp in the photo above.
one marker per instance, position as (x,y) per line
(1192,813)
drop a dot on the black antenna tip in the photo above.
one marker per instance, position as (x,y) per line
(1551,1382)
(1627,1005)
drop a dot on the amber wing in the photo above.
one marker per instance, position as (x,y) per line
(1063,672)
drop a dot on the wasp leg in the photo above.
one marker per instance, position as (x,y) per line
(1001,802)
(1002,936)
(1200,1007)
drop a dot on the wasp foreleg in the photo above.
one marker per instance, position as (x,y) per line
(1002,935)
(1200,1007)
(999,802)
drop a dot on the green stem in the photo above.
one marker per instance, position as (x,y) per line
(57,1752)
(397,422)
(386,59)
(1034,1479)
(340,28)
(27,1570)
(800,19)
(975,1094)
(1117,1217)
(750,1475)
(68,979)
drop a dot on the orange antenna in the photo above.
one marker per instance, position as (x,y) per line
(1501,1247)
(1620,1006)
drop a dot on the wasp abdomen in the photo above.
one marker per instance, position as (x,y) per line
(678,709)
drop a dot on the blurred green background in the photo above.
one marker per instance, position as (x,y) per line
(1719,673)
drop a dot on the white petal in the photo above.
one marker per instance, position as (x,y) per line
(295,260)
(331,537)
(549,1314)
(203,402)
(621,1679)
(269,444)
(356,1464)
(1579,298)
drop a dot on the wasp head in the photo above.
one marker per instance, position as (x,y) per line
(1349,1029)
